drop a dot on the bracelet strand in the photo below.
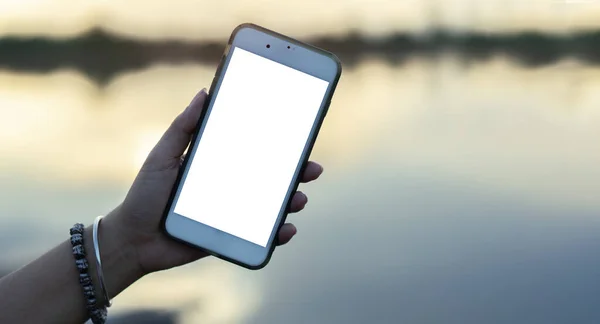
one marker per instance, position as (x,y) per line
(97,315)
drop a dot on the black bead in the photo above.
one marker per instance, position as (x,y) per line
(91,302)
(84,279)
(82,265)
(89,294)
(77,228)
(88,288)
(98,316)
(79,251)
(76,239)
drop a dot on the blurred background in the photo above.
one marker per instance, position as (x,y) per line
(461,154)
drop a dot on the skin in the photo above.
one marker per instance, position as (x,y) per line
(132,245)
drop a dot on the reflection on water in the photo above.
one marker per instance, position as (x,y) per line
(492,120)
(453,193)
(94,52)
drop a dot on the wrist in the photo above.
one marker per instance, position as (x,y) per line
(119,260)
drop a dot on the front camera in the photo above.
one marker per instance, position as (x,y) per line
(268,46)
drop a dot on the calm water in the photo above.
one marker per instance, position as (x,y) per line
(452,193)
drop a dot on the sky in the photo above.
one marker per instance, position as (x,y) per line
(189,20)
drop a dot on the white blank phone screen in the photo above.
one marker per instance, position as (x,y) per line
(250,147)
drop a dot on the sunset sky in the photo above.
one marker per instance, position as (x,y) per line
(199,20)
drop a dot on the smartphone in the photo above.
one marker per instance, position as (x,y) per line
(263,112)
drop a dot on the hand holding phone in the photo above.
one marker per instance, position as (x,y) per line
(134,226)
(267,101)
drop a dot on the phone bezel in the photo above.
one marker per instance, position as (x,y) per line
(289,52)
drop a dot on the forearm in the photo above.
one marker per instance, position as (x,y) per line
(47,290)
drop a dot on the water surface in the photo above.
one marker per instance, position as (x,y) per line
(453,193)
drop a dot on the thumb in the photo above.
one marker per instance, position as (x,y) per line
(167,152)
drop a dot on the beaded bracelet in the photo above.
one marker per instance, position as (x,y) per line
(97,315)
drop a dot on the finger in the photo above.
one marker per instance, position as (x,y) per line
(299,200)
(177,137)
(312,171)
(286,233)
